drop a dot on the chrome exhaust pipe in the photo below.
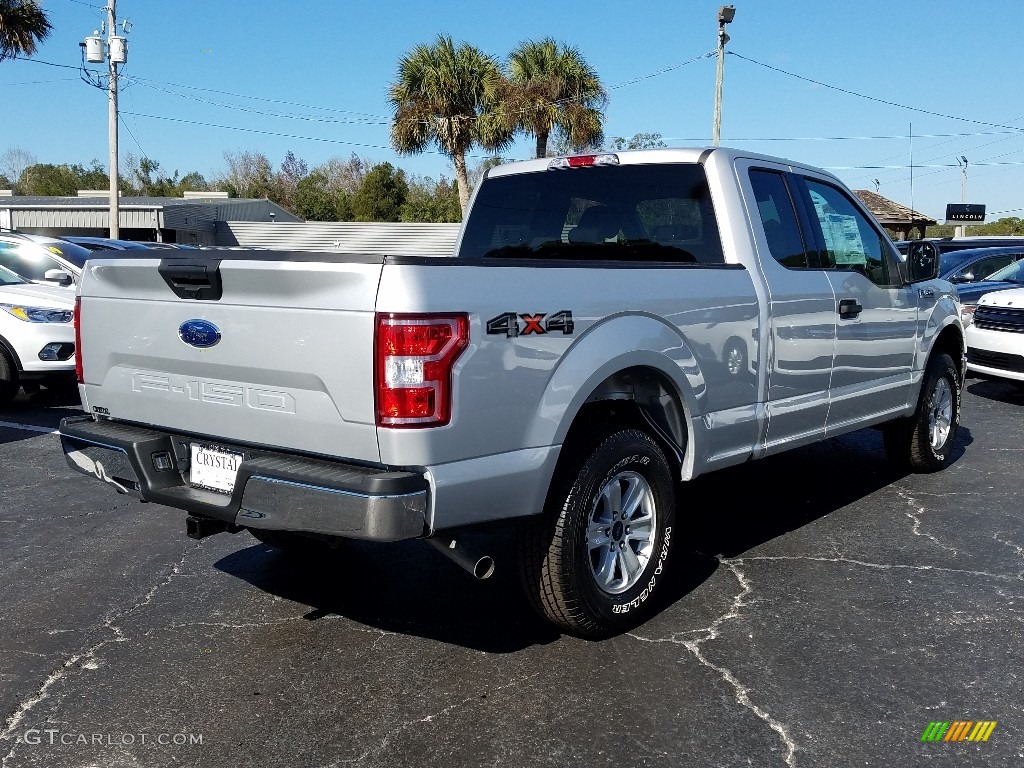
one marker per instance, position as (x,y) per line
(480,566)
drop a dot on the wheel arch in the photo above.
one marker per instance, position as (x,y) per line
(950,340)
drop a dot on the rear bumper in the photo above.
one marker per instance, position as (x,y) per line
(275,491)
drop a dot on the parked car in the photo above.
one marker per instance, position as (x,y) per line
(995,340)
(975,264)
(1009,277)
(37,339)
(109,244)
(947,244)
(42,259)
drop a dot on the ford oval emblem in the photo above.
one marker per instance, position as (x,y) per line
(199,333)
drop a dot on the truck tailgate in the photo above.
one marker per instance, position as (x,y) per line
(293,367)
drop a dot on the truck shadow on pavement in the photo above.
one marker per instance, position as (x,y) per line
(409,588)
(1000,391)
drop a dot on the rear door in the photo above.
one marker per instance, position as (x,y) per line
(801,310)
(290,365)
(876,313)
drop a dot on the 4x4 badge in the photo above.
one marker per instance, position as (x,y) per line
(511,324)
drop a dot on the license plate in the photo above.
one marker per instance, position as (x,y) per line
(214,469)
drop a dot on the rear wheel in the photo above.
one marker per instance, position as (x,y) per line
(592,562)
(8,378)
(924,441)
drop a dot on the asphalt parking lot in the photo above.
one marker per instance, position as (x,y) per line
(830,611)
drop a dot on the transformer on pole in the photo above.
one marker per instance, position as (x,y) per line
(114,51)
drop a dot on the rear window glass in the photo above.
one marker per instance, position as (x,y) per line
(617,213)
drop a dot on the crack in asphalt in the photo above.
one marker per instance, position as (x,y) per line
(711,632)
(883,566)
(84,659)
(50,519)
(916,517)
(428,719)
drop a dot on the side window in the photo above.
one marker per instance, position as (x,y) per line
(850,241)
(29,265)
(979,270)
(778,217)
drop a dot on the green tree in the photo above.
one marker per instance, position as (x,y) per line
(343,206)
(381,195)
(553,89)
(249,174)
(23,24)
(446,96)
(430,201)
(193,182)
(313,201)
(62,180)
(638,141)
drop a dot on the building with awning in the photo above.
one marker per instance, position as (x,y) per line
(901,222)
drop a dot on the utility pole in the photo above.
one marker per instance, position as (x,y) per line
(726,13)
(963,189)
(115,213)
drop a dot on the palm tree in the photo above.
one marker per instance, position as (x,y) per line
(555,89)
(444,95)
(23,24)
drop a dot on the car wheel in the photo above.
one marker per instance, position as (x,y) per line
(924,442)
(8,378)
(735,357)
(593,561)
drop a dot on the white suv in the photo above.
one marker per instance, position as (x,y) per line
(995,339)
(37,337)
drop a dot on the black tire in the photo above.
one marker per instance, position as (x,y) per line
(8,379)
(560,559)
(910,442)
(290,542)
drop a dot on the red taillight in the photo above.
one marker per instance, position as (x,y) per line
(414,358)
(78,340)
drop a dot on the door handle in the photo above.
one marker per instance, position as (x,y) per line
(849,309)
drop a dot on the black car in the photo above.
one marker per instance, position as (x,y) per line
(1011,276)
(946,244)
(973,264)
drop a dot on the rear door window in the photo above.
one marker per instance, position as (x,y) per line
(779,219)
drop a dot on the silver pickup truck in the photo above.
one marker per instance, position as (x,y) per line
(610,327)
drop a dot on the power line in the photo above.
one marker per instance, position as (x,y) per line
(875,98)
(236,107)
(47,63)
(40,82)
(143,80)
(672,68)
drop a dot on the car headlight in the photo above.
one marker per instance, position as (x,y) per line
(38,314)
(967,313)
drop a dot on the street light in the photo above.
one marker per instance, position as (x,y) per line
(726,14)
(962,162)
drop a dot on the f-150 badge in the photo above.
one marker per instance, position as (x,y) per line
(524,323)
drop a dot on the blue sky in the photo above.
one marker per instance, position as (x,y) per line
(959,61)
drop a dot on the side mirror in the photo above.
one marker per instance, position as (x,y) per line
(963,277)
(922,262)
(58,276)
